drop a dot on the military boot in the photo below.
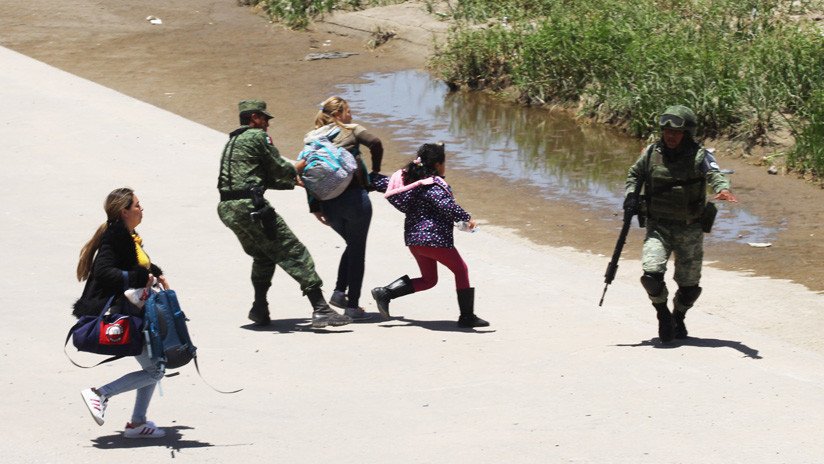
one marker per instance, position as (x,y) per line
(680,327)
(684,300)
(259,314)
(466,302)
(322,313)
(666,328)
(400,287)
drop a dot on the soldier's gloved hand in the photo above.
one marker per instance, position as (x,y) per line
(631,203)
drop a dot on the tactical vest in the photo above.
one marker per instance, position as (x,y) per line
(676,189)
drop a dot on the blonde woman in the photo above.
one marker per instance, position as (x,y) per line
(350,213)
(111,262)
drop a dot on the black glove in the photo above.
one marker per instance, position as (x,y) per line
(631,203)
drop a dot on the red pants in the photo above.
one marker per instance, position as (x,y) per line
(428,259)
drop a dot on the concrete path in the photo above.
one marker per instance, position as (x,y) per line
(554,379)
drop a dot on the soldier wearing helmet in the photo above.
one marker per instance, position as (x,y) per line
(673,174)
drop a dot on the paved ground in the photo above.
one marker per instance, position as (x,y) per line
(555,379)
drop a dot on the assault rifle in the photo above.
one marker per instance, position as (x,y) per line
(612,267)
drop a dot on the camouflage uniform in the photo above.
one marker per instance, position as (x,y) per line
(675,189)
(251,160)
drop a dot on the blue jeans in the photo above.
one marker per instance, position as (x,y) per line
(143,381)
(349,215)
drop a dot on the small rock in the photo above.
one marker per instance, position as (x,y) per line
(772,170)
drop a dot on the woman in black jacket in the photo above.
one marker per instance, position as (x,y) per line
(111,262)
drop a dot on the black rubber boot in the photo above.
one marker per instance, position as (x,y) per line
(666,329)
(259,314)
(466,302)
(680,327)
(400,287)
(322,313)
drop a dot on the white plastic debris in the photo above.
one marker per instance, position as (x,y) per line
(759,244)
(154,20)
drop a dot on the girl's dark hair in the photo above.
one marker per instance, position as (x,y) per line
(423,166)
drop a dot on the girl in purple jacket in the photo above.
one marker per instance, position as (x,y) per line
(420,192)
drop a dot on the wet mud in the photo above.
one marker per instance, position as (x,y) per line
(555,180)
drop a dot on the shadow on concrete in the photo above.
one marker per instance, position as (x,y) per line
(699,342)
(173,441)
(437,326)
(296,325)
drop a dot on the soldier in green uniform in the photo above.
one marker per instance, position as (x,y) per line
(251,164)
(674,173)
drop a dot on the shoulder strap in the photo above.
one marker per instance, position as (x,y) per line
(197,368)
(107,360)
(227,155)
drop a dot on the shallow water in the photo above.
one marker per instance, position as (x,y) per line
(586,164)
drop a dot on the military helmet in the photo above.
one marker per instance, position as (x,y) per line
(679,117)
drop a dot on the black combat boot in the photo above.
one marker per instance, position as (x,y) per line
(666,328)
(680,327)
(259,314)
(400,287)
(684,300)
(322,313)
(466,302)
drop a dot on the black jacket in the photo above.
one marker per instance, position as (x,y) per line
(115,256)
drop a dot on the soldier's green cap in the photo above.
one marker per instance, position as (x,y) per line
(253,106)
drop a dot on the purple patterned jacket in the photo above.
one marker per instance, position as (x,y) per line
(431,212)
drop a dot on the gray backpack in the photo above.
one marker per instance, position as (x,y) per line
(329,169)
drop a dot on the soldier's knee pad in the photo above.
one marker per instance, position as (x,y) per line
(687,295)
(653,283)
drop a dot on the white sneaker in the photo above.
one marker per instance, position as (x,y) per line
(147,430)
(357,314)
(96,404)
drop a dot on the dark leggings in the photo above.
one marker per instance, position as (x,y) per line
(428,259)
(349,215)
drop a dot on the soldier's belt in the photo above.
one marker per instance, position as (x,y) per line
(682,222)
(236,195)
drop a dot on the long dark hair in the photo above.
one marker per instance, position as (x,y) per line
(429,154)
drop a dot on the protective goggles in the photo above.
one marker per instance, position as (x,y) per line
(670,120)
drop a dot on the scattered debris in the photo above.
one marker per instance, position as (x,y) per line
(380,37)
(327,56)
(154,20)
(759,244)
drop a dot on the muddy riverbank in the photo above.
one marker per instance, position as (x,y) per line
(208,54)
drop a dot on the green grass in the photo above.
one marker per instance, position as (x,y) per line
(738,64)
(296,14)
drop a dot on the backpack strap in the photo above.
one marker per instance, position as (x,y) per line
(197,368)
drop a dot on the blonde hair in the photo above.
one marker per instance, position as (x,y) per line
(117,201)
(330,107)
